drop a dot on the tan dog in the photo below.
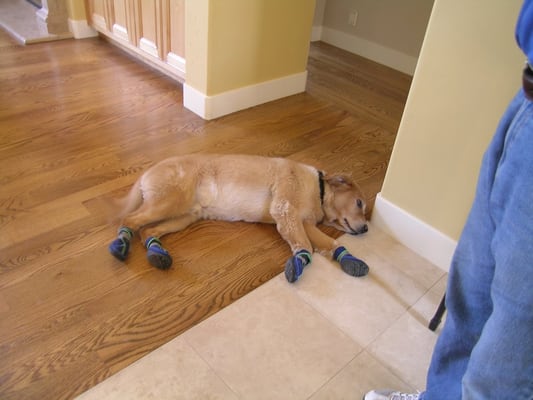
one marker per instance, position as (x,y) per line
(181,190)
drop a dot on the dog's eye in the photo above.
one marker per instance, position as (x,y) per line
(359,203)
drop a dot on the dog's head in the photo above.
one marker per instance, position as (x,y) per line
(344,205)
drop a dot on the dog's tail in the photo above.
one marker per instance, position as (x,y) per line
(117,209)
(132,201)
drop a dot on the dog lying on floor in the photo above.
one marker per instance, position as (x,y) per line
(181,190)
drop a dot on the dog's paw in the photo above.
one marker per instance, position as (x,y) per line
(354,266)
(291,270)
(119,248)
(351,265)
(159,257)
(295,265)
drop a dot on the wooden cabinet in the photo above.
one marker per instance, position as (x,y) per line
(153,30)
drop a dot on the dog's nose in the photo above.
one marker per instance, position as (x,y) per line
(364,228)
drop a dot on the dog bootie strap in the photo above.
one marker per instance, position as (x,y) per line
(125,233)
(121,245)
(351,265)
(295,265)
(157,255)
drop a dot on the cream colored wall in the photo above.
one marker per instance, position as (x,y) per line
(245,42)
(398,25)
(469,68)
(196,43)
(76,9)
(320,8)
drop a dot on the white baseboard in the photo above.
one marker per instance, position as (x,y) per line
(373,51)
(316,33)
(210,107)
(80,29)
(413,233)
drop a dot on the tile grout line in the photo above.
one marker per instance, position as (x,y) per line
(184,338)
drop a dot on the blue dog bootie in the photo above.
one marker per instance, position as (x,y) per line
(120,247)
(295,265)
(350,264)
(157,255)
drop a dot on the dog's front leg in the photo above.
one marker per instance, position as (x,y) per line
(301,250)
(351,265)
(319,240)
(291,229)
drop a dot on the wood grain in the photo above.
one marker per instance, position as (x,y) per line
(79,121)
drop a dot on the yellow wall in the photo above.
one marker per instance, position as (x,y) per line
(76,9)
(245,41)
(469,68)
(196,40)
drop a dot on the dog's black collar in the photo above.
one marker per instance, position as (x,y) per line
(321,186)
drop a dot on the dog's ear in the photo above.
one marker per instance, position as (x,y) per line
(339,182)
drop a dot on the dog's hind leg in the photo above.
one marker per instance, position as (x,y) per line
(120,247)
(157,255)
(351,265)
(153,219)
(153,210)
(170,225)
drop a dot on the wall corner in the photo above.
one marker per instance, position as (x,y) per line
(413,233)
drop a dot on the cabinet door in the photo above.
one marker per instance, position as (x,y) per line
(152,25)
(162,30)
(116,18)
(153,29)
(121,27)
(176,50)
(99,16)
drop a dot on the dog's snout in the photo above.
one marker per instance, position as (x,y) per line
(360,228)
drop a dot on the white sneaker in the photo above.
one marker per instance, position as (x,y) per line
(390,395)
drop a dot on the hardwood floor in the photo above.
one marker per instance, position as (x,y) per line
(79,120)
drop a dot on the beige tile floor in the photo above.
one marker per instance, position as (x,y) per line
(328,336)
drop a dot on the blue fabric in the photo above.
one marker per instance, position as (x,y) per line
(296,264)
(125,232)
(301,259)
(338,252)
(485,350)
(350,264)
(156,254)
(152,241)
(524,30)
(120,248)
